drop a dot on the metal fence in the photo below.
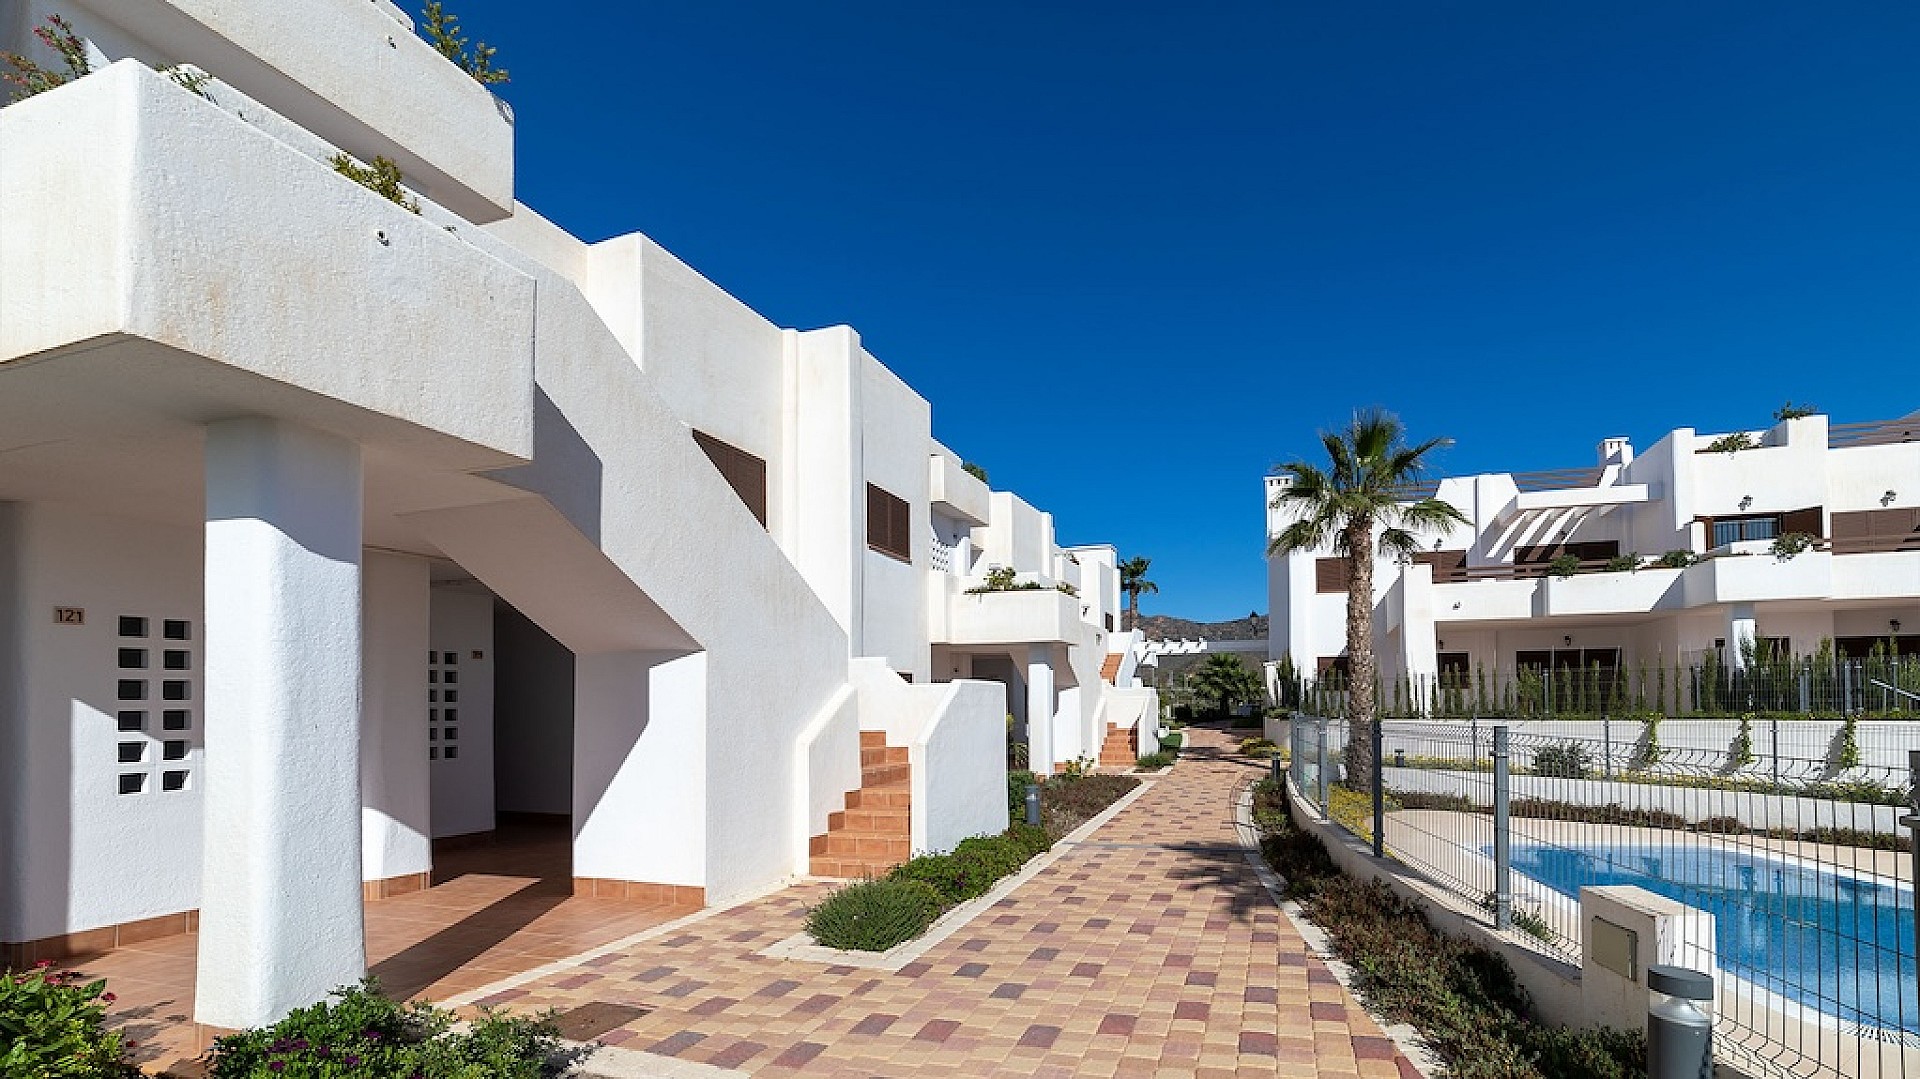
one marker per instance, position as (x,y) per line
(1802,860)
(1882,684)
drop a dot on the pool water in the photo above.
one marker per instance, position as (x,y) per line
(1825,940)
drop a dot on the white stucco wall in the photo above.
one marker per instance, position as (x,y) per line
(895,432)
(396,824)
(80,854)
(629,565)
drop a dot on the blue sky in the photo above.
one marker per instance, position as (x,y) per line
(1137,254)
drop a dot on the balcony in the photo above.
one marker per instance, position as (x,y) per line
(376,88)
(956,492)
(161,251)
(1037,616)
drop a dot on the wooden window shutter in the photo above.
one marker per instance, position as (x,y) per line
(1330,575)
(889,524)
(744,472)
(1806,520)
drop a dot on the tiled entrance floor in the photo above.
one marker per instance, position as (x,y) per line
(1149,949)
(499,907)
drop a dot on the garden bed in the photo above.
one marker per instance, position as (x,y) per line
(885,917)
(1462,998)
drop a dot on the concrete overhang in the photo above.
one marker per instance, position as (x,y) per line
(1580,498)
(161,257)
(348,72)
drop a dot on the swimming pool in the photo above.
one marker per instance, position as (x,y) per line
(1832,942)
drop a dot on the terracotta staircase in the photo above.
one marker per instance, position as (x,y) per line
(1119,752)
(875,832)
(1110,669)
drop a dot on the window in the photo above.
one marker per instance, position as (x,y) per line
(744,472)
(1734,529)
(1330,575)
(888,525)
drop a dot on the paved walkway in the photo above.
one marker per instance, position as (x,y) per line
(1149,949)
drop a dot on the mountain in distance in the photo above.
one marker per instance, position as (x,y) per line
(1160,627)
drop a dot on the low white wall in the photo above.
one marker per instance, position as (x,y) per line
(1700,743)
(829,754)
(1130,709)
(961,767)
(1753,810)
(956,736)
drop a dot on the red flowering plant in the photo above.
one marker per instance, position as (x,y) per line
(28,78)
(53,1025)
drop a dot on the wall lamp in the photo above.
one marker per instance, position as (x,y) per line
(1745,501)
(1568,640)
(1893,624)
(1887,499)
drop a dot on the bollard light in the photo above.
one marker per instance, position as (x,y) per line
(1399,758)
(1679,1035)
(1033,804)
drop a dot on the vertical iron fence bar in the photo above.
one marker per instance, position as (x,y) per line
(1379,789)
(1912,823)
(1606,744)
(1502,861)
(1320,780)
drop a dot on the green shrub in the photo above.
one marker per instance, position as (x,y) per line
(54,1026)
(1153,762)
(362,1034)
(1172,741)
(1565,565)
(1568,760)
(1677,559)
(1626,563)
(1733,443)
(874,915)
(1017,784)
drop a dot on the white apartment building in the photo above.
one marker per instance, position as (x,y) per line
(329,528)
(1483,597)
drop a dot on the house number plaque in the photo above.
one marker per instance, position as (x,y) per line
(70,616)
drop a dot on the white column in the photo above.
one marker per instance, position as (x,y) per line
(1741,628)
(280,914)
(1040,740)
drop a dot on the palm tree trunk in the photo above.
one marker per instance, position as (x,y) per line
(1360,703)
(1133,609)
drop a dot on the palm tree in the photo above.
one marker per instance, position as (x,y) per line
(1224,678)
(1133,581)
(1367,487)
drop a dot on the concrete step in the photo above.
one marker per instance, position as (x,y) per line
(827,866)
(861,845)
(872,738)
(884,795)
(882,820)
(885,775)
(876,755)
